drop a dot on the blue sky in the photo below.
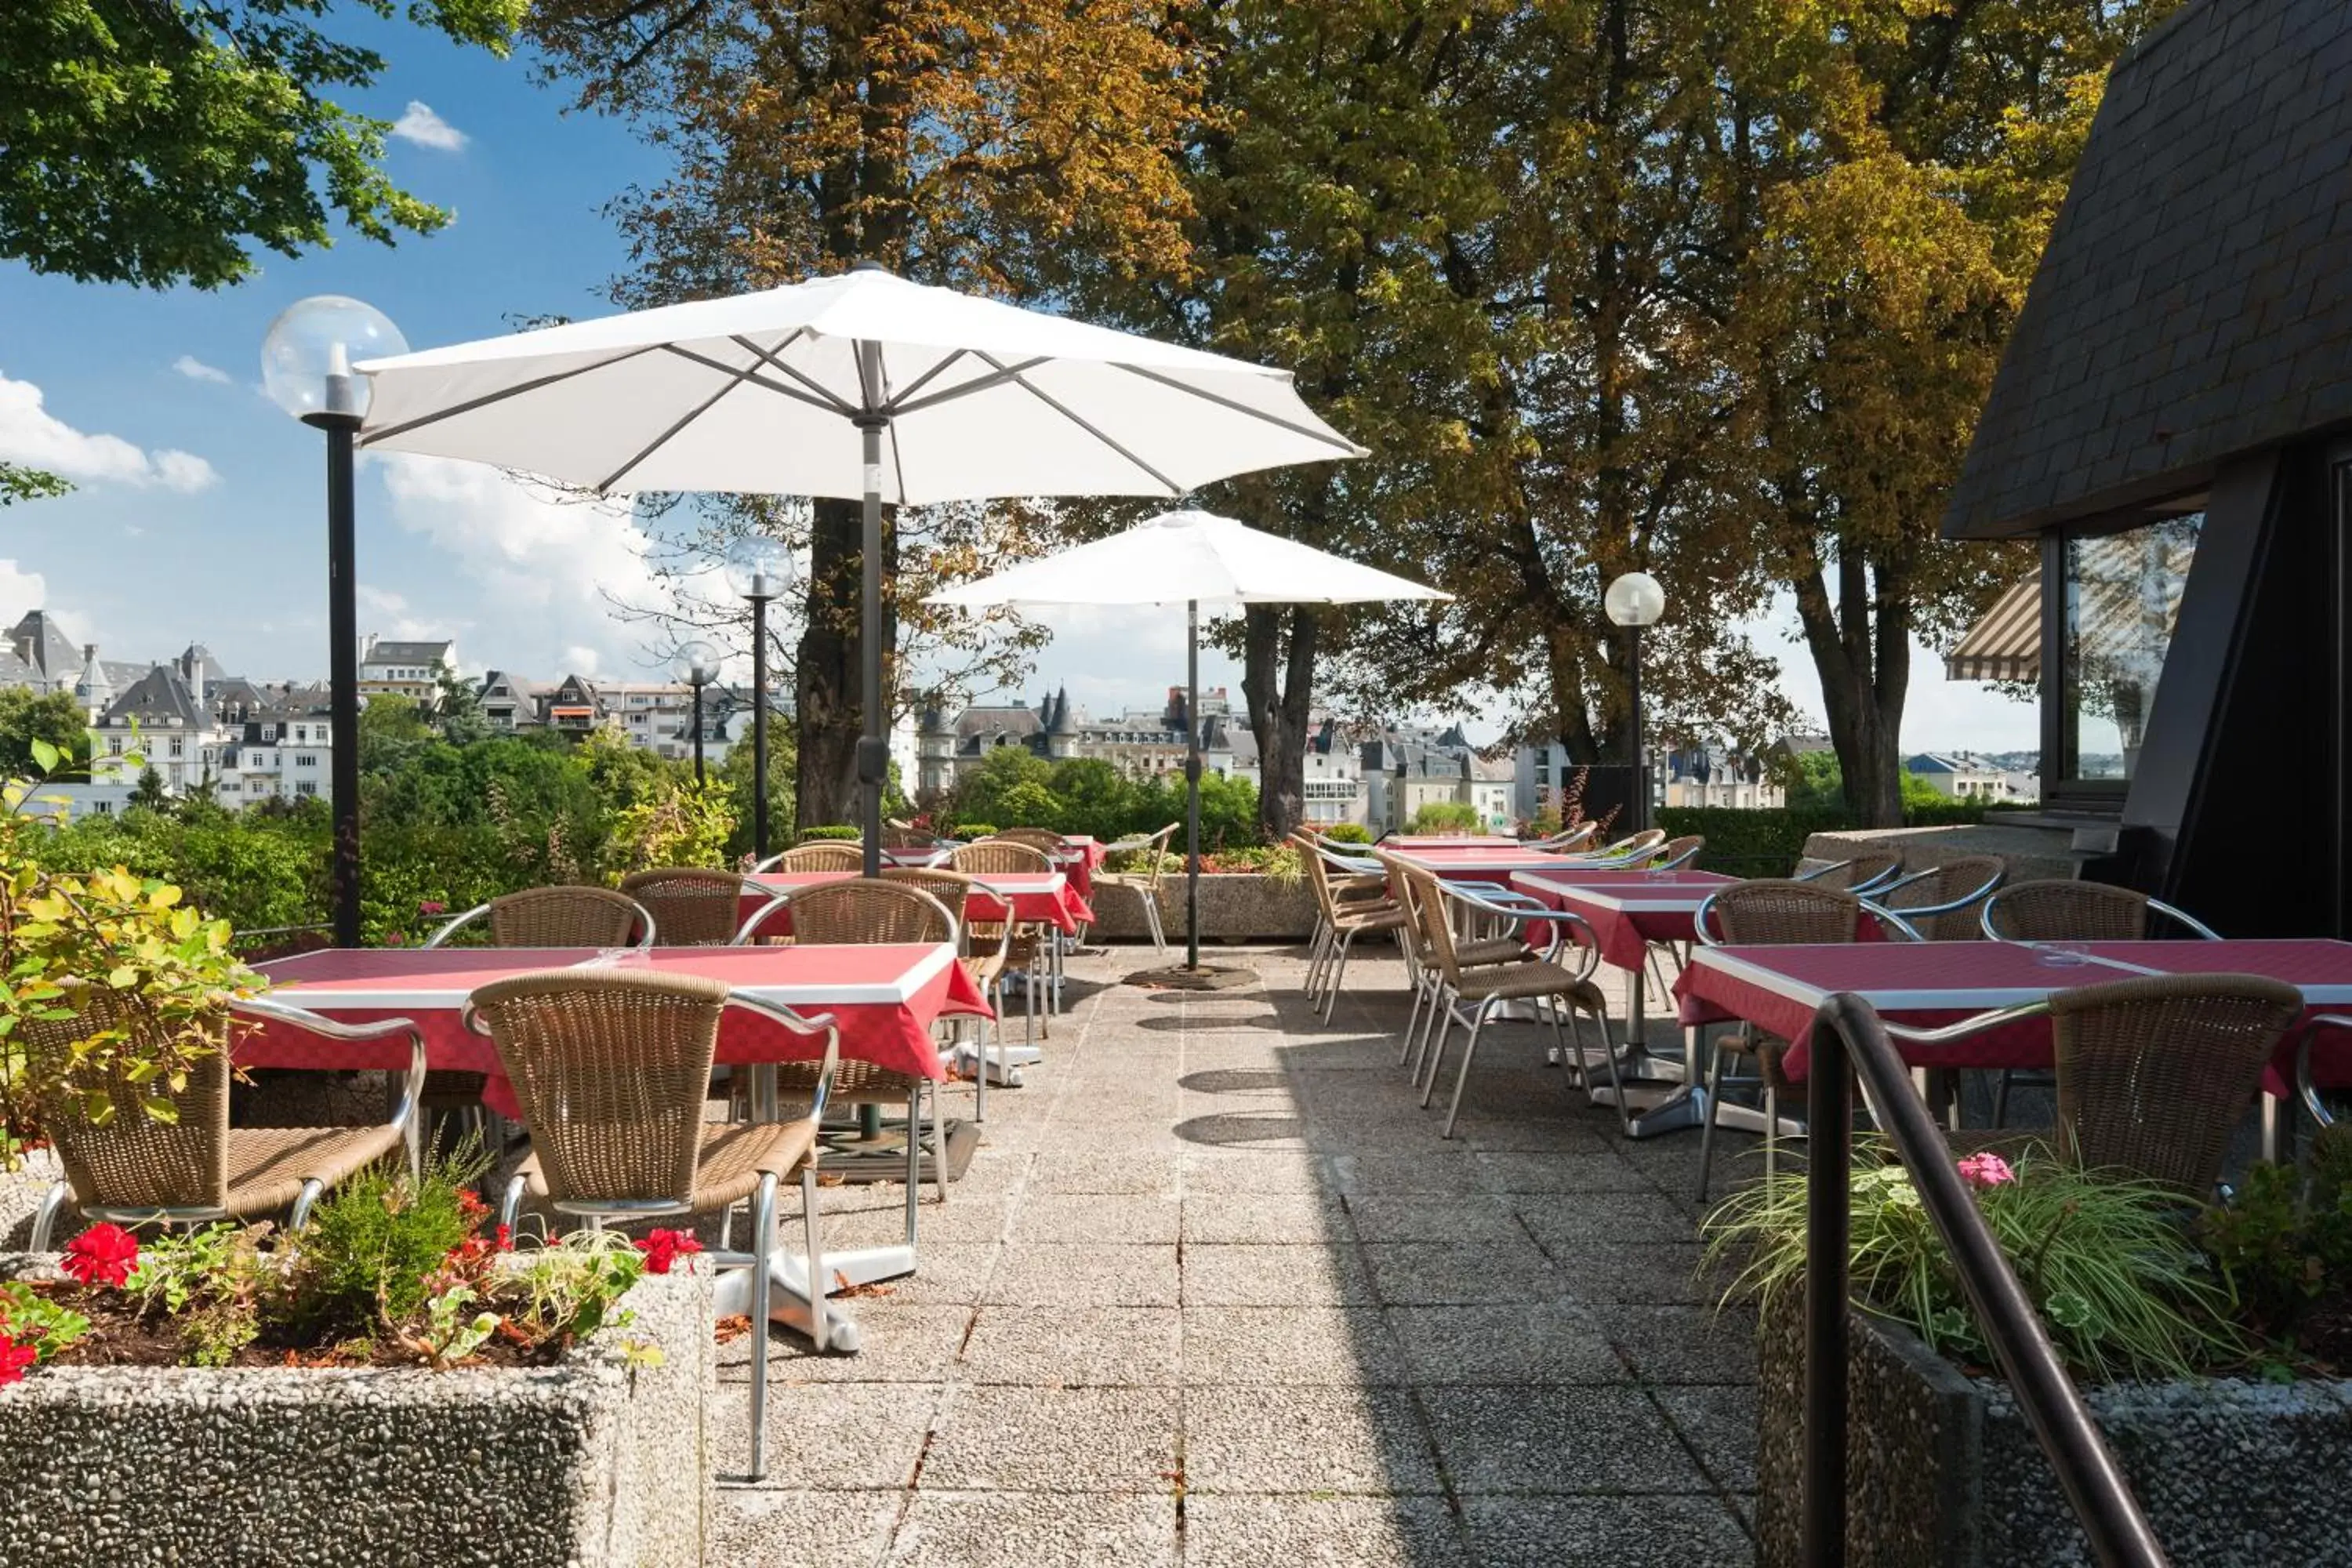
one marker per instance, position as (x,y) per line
(199,513)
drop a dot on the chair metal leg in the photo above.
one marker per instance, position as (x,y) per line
(1772,1131)
(2000,1099)
(914,1158)
(1707,1128)
(45,1223)
(510,1205)
(1436,1057)
(979,1063)
(303,1201)
(1339,975)
(939,1141)
(1412,1021)
(764,1245)
(821,1328)
(1462,1078)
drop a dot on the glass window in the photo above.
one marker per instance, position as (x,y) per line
(2123,595)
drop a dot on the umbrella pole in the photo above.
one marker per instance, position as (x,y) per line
(1192,783)
(874,750)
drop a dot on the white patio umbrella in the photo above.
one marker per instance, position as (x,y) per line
(954,398)
(1194,558)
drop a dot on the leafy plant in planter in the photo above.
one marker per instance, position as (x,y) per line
(2109,1264)
(152,979)
(2283,1247)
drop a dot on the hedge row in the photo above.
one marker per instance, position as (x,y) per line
(1769,843)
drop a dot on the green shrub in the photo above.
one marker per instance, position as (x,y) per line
(830,830)
(375,1240)
(2284,1245)
(970,830)
(1445,816)
(1347,833)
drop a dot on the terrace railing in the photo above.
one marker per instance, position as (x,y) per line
(1850,1042)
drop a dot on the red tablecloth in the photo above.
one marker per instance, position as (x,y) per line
(1627,910)
(1926,985)
(1047,898)
(884,999)
(1087,856)
(1402,841)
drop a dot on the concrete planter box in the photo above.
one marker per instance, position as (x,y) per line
(1235,905)
(1942,1472)
(593,1463)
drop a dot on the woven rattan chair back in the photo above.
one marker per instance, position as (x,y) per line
(952,889)
(1970,877)
(2155,1076)
(1770,913)
(1632,844)
(131,1160)
(903,836)
(867,909)
(823,855)
(1428,918)
(2060,911)
(1870,865)
(691,906)
(1679,851)
(1044,838)
(566,916)
(1319,875)
(992,855)
(610,1070)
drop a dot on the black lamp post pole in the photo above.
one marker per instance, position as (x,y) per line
(696,681)
(1641,810)
(759,596)
(344,670)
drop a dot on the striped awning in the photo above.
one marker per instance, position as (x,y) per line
(2007,644)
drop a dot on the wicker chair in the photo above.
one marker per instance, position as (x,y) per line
(2060,911)
(1570,839)
(1044,838)
(1867,872)
(1345,907)
(692,906)
(133,1169)
(1485,987)
(818,855)
(2155,1075)
(1632,847)
(982,958)
(1940,903)
(863,911)
(1431,988)
(536,917)
(1676,853)
(2056,909)
(558,917)
(1144,884)
(1773,913)
(1029,952)
(609,1069)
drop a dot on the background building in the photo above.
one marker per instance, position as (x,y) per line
(410,669)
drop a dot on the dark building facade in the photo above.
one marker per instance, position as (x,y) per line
(2173,419)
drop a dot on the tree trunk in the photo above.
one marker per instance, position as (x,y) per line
(826,718)
(1278,714)
(1861,650)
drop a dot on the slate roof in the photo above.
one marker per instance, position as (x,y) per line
(2195,302)
(40,641)
(407,652)
(160,697)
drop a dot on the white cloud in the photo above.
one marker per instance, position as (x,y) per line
(389,617)
(1938,714)
(20,591)
(546,569)
(30,434)
(419,125)
(196,369)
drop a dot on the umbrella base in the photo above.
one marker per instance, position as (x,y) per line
(1206,977)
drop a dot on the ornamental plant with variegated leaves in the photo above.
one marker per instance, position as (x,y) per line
(166,971)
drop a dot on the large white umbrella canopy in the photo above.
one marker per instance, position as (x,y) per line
(1192,558)
(755,394)
(951,397)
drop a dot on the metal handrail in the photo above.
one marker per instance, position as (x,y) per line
(1849,1042)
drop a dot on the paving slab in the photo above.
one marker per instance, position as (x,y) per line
(1036,1530)
(1244,1274)
(757,1528)
(1072,1346)
(993,1437)
(1230,1530)
(1263,1347)
(1311,1441)
(1522,1345)
(1557,1440)
(1657,1531)
(1084,1274)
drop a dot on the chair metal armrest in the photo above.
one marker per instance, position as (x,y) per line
(412,1089)
(450,927)
(2305,1090)
(2182,917)
(828,1066)
(646,936)
(1888,918)
(1951,907)
(1003,926)
(742,937)
(1533,908)
(1818,872)
(1944,1035)
(1685,858)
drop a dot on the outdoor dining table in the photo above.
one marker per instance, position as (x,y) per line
(1080,863)
(1629,911)
(882,997)
(1038,897)
(1929,984)
(1478,862)
(1400,841)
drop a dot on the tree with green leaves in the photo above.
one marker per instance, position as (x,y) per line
(45,735)
(18,483)
(160,143)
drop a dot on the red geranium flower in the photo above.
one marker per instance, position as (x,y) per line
(505,1239)
(102,1255)
(432,907)
(664,1248)
(15,1358)
(470,1206)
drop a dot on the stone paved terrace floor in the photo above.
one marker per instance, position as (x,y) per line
(1214,1293)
